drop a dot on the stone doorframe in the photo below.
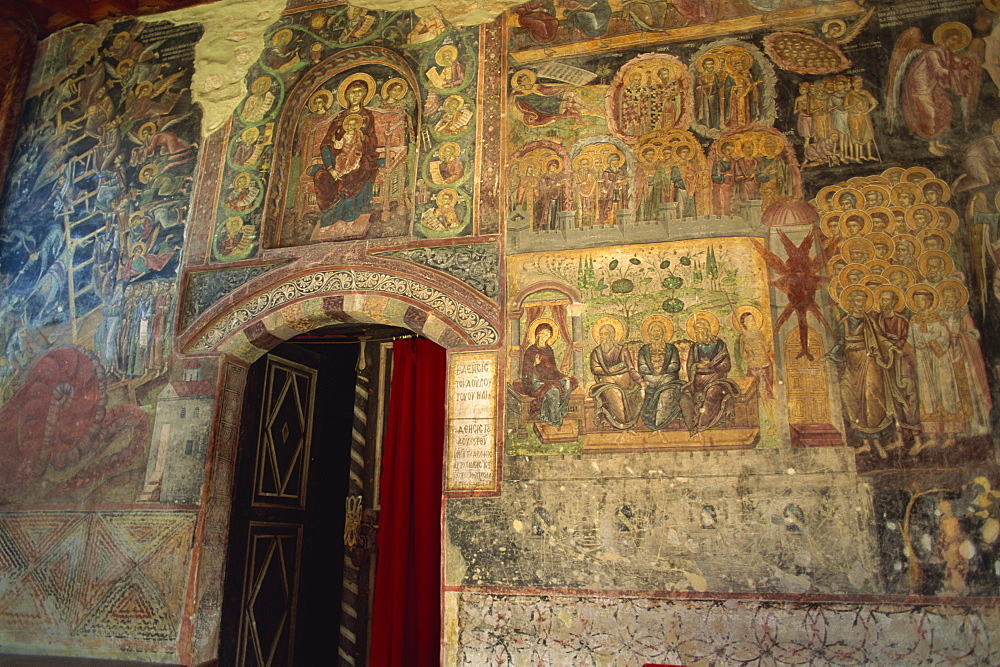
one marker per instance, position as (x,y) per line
(244,332)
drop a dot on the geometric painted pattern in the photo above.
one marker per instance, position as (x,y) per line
(571,629)
(477,265)
(270,591)
(478,329)
(104,575)
(285,435)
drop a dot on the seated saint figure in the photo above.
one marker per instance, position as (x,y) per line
(542,380)
(659,365)
(707,399)
(617,390)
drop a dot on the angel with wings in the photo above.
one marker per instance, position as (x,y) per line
(927,77)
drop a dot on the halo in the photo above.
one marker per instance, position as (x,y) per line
(346,83)
(582,156)
(953,26)
(947,219)
(890,219)
(937,232)
(916,175)
(842,278)
(544,164)
(458,149)
(713,323)
(834,290)
(992,5)
(826,224)
(833,29)
(125,62)
(323,94)
(875,237)
(642,149)
(454,97)
(918,196)
(920,287)
(743,310)
(858,199)
(708,56)
(866,222)
(830,264)
(283,33)
(918,247)
(146,126)
(139,248)
(739,54)
(848,291)
(148,169)
(824,198)
(881,263)
(895,268)
(520,73)
(250,134)
(873,282)
(945,188)
(448,191)
(881,189)
(242,176)
(354,116)
(396,79)
(912,223)
(849,244)
(741,140)
(260,79)
(668,327)
(878,179)
(893,174)
(236,226)
(540,321)
(963,293)
(949,263)
(613,322)
(900,297)
(447,48)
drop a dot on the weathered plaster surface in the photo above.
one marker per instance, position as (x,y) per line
(234,36)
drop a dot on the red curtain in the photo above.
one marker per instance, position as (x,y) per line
(406,624)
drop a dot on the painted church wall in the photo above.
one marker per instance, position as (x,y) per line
(726,277)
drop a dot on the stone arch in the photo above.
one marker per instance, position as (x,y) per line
(307,301)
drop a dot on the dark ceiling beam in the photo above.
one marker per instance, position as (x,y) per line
(76,9)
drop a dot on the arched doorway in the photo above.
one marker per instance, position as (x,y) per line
(306,496)
(252,322)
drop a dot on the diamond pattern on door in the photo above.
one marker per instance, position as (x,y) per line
(286,434)
(269,594)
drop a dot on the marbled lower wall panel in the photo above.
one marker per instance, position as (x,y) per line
(557,630)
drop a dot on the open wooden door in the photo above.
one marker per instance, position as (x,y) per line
(285,573)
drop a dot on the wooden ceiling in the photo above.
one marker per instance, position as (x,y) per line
(52,15)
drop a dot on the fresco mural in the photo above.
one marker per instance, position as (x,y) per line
(357,124)
(675,348)
(733,266)
(103,164)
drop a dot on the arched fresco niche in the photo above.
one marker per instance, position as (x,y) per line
(345,152)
